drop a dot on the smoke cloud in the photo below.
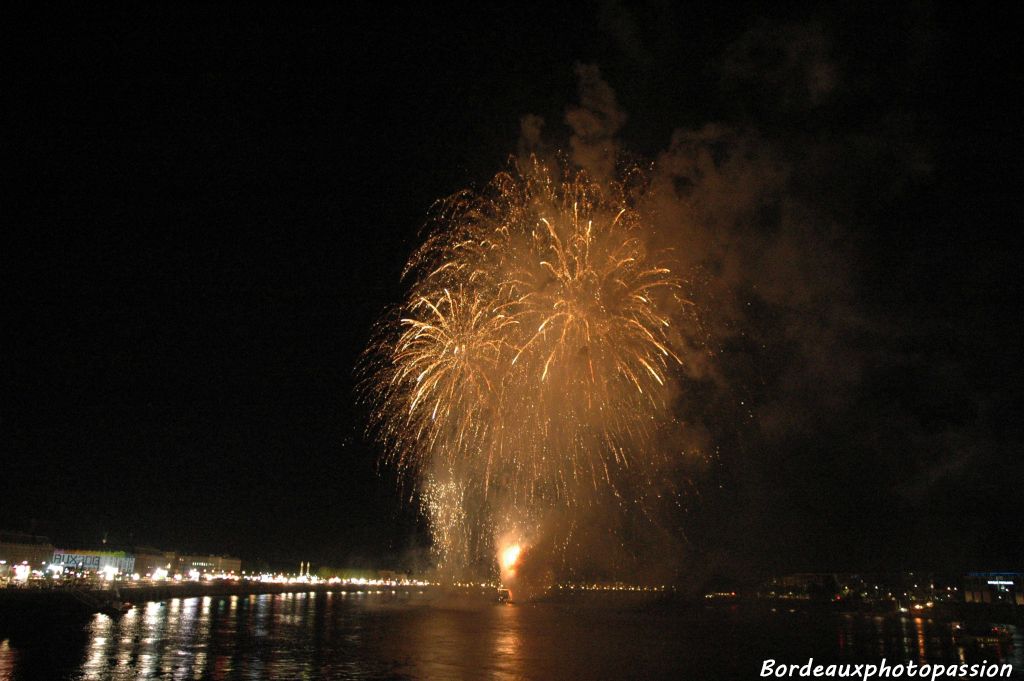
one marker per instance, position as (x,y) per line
(762,216)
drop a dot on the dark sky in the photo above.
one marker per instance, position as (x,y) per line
(204,213)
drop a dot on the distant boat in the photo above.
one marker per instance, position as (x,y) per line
(982,634)
(110,605)
(115,608)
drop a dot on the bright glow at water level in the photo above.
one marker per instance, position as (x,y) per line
(509,557)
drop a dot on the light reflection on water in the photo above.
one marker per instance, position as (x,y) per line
(385,636)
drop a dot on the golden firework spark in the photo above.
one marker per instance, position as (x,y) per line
(533,355)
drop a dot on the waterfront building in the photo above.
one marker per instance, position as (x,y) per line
(17,548)
(994,588)
(211,564)
(149,560)
(87,560)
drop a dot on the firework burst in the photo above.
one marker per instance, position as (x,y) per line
(533,357)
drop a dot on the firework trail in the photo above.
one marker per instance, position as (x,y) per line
(532,360)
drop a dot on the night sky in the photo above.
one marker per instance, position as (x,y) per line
(205,212)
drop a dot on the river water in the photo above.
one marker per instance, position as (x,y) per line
(383,636)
